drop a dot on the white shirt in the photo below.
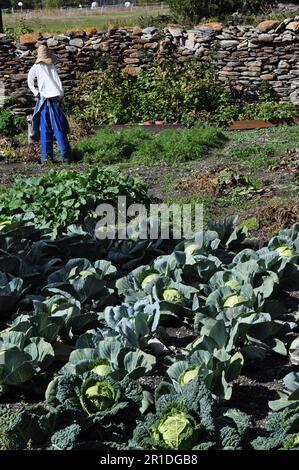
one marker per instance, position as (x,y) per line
(48,81)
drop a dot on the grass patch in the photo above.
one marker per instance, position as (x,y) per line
(282,135)
(142,147)
(108,146)
(179,146)
(55,21)
(254,157)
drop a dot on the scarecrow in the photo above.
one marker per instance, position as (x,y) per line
(48,117)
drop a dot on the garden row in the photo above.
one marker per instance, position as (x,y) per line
(85,327)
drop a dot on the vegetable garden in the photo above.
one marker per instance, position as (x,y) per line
(141,344)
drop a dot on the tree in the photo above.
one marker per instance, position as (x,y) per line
(53,3)
(193,10)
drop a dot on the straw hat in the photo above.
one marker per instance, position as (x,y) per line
(45,56)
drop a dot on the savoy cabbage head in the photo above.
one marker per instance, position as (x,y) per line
(189,419)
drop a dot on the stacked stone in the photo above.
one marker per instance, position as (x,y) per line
(243,56)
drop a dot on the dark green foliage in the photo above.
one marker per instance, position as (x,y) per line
(281,431)
(11,124)
(193,10)
(65,439)
(105,409)
(26,427)
(62,198)
(189,419)
(166,90)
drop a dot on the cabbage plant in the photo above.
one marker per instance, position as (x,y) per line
(106,410)
(189,419)
(134,326)
(109,357)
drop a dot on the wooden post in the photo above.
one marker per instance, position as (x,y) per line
(1,22)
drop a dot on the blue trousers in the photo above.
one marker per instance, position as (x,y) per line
(52,123)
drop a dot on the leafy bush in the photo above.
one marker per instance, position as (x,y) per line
(165,90)
(61,198)
(193,10)
(11,124)
(267,110)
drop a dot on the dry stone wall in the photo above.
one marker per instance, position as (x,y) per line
(243,56)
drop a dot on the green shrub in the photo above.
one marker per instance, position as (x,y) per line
(11,124)
(268,110)
(65,197)
(167,90)
(193,10)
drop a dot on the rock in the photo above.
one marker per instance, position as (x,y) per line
(267,25)
(112,28)
(71,48)
(104,46)
(51,42)
(137,31)
(133,71)
(149,31)
(176,31)
(75,32)
(228,44)
(267,77)
(31,38)
(151,45)
(293,26)
(61,37)
(91,31)
(77,42)
(213,25)
(190,41)
(131,60)
(265,38)
(283,64)
(294,97)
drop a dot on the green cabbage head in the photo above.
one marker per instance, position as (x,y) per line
(292,443)
(149,278)
(4,223)
(177,430)
(285,251)
(234,300)
(86,273)
(172,295)
(233,284)
(99,396)
(58,303)
(190,249)
(101,367)
(189,375)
